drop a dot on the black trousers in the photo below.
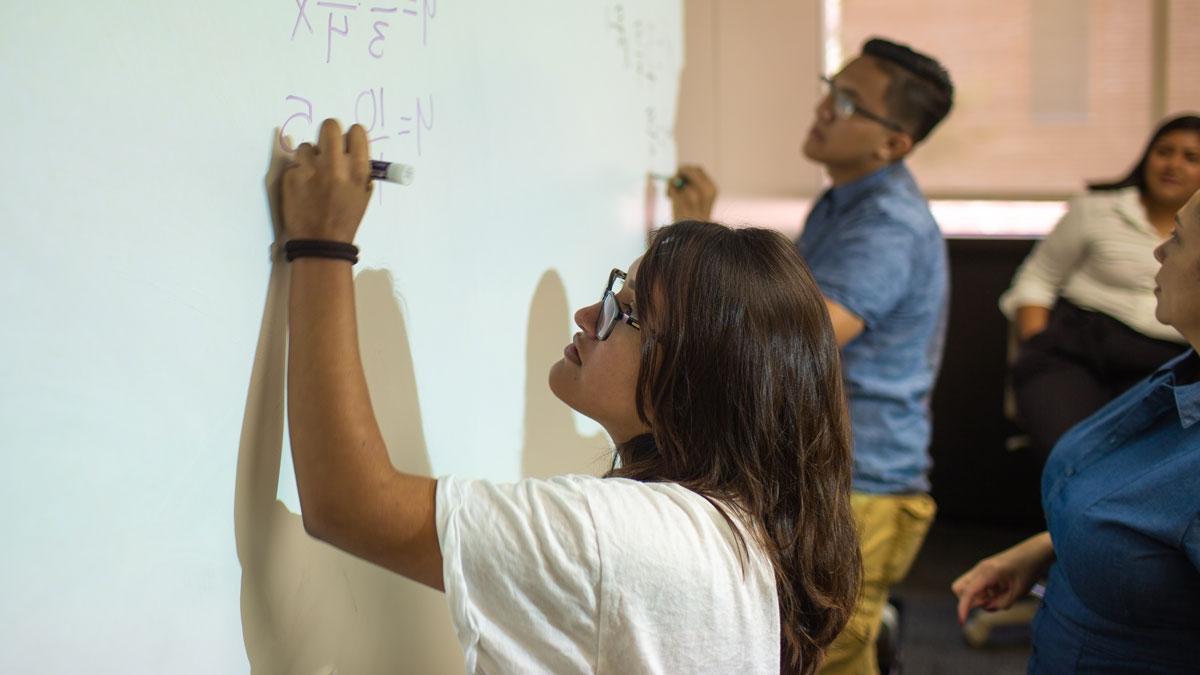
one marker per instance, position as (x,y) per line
(1080,362)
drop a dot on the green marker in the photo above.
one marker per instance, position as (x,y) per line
(676,181)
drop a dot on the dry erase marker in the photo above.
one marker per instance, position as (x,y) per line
(392,172)
(676,181)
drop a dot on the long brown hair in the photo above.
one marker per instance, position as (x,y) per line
(741,384)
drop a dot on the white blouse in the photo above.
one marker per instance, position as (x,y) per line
(578,574)
(1100,256)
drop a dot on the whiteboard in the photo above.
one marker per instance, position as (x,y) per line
(149,512)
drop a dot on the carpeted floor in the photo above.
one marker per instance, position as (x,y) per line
(932,641)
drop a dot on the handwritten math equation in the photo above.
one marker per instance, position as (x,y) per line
(371,28)
(401,132)
(645,52)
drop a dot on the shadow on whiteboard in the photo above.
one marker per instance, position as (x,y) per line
(308,608)
(552,445)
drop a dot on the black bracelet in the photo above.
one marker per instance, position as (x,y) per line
(320,248)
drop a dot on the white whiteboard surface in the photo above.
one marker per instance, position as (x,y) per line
(142,329)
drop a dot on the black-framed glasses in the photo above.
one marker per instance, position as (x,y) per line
(844,106)
(610,309)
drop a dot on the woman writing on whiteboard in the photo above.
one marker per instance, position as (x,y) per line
(1083,301)
(721,541)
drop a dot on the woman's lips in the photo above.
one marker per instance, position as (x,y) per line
(571,352)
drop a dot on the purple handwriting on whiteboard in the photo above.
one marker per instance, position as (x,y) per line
(375,125)
(421,120)
(306,115)
(375,46)
(301,16)
(428,11)
(370,113)
(416,123)
(374,104)
(345,29)
(380,15)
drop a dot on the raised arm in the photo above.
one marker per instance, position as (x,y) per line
(693,199)
(350,494)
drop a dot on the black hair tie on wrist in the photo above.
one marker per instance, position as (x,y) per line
(320,248)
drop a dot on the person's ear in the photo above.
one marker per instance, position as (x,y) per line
(896,146)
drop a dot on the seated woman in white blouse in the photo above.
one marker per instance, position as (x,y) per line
(722,541)
(1083,301)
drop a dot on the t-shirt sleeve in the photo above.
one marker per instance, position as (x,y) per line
(522,573)
(869,268)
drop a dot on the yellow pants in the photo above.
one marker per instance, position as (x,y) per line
(891,529)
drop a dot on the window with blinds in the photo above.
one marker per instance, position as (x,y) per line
(1049,94)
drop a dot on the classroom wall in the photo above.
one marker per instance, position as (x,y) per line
(747,95)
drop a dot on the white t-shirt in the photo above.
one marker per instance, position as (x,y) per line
(578,574)
(1100,256)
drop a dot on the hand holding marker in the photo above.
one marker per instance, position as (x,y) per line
(392,172)
(676,181)
(692,193)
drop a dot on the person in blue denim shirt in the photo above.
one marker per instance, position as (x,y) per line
(1121,493)
(880,261)
(877,253)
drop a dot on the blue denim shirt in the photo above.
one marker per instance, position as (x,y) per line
(1121,492)
(874,248)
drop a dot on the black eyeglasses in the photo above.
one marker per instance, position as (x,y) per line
(610,309)
(844,107)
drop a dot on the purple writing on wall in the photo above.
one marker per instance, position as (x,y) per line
(305,116)
(345,21)
(370,111)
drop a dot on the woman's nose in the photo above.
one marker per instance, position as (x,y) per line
(824,109)
(586,317)
(1158,252)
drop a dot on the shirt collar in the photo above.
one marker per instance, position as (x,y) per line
(1128,204)
(849,193)
(1187,396)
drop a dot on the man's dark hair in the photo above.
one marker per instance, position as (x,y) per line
(920,93)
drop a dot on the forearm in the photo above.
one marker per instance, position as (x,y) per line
(336,444)
(1036,554)
(1031,320)
(350,494)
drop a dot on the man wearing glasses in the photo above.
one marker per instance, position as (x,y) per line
(880,260)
